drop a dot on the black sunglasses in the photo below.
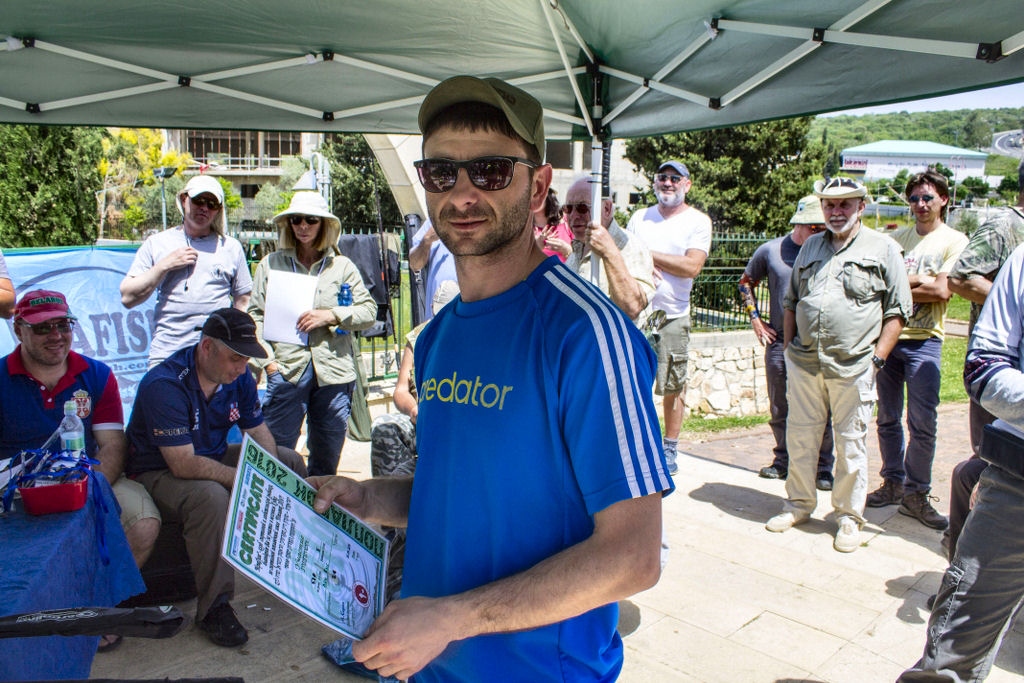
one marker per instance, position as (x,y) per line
(42,329)
(211,204)
(579,208)
(486,173)
(662,177)
(915,198)
(308,220)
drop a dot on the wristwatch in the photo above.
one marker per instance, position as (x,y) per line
(878,362)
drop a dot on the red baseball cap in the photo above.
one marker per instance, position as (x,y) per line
(41,305)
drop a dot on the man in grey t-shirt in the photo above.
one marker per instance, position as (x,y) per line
(774,260)
(194,268)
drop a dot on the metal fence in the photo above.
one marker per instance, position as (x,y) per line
(715,303)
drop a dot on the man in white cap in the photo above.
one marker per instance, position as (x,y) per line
(195,268)
(521,380)
(774,260)
(679,238)
(847,302)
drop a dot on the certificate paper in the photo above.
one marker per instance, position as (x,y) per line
(289,295)
(331,567)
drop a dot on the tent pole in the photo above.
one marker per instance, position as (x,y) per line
(596,149)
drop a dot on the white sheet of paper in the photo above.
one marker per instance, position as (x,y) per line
(289,295)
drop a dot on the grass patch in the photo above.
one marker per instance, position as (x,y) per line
(702,424)
(951,390)
(951,387)
(959,308)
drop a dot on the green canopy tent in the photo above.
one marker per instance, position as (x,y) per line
(336,65)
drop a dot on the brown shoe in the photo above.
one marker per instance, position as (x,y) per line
(918,505)
(889,493)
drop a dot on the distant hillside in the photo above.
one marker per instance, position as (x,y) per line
(967,128)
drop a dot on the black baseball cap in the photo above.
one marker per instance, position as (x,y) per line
(236,329)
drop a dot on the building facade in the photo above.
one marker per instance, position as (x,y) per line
(886,158)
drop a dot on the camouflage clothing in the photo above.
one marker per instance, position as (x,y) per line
(393,454)
(989,247)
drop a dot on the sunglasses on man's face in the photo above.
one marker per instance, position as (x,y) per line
(486,173)
(915,198)
(666,177)
(308,220)
(43,329)
(208,202)
(579,208)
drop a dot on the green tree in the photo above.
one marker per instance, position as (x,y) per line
(976,186)
(132,191)
(49,177)
(747,178)
(355,177)
(273,198)
(1008,187)
(354,171)
(977,131)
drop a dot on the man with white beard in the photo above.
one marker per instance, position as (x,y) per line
(847,302)
(679,239)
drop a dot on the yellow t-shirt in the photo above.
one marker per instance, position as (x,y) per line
(931,254)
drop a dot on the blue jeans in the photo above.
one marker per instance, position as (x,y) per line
(325,408)
(775,373)
(981,591)
(915,364)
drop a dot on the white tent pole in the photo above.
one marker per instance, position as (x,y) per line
(1013,43)
(647,83)
(943,48)
(545,8)
(595,203)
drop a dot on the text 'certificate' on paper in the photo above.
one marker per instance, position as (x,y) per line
(331,567)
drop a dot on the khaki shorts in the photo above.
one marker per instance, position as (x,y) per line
(135,502)
(672,342)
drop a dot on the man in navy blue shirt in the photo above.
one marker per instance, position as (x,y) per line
(178,450)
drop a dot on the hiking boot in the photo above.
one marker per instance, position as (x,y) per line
(847,536)
(823,482)
(772,472)
(222,627)
(919,505)
(889,493)
(786,520)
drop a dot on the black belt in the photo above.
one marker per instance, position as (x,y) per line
(1003,449)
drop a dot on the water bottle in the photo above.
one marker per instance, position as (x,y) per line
(72,431)
(344,299)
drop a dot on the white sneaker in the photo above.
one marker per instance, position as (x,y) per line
(848,535)
(784,521)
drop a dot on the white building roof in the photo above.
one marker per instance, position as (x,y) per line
(913,148)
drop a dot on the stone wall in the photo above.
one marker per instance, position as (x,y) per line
(726,375)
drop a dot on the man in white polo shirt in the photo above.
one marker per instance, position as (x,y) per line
(195,268)
(679,238)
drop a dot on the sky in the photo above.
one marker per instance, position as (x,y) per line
(991,98)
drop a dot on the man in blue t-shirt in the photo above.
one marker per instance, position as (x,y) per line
(536,504)
(178,450)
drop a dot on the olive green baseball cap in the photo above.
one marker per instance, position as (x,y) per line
(524,113)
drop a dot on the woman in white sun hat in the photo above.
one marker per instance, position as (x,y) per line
(315,380)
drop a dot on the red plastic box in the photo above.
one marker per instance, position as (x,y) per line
(42,500)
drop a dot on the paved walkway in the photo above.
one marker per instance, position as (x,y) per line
(735,603)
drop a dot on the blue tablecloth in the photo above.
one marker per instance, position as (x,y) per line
(53,561)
